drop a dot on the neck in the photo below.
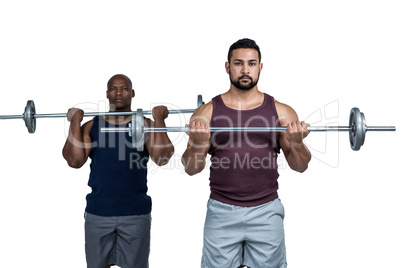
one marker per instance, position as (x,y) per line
(118,119)
(244,95)
(243,99)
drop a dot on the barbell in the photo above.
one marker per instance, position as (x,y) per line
(357,129)
(357,124)
(29,116)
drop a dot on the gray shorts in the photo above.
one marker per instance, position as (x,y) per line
(252,236)
(122,241)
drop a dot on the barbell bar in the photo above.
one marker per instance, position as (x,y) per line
(29,116)
(357,129)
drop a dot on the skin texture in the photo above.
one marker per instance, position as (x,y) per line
(120,93)
(244,69)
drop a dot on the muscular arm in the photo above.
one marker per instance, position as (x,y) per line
(158,144)
(78,144)
(296,153)
(194,158)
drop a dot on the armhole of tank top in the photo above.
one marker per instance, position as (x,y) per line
(272,100)
(95,121)
(215,101)
(278,150)
(145,136)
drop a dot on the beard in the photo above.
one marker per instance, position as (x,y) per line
(244,86)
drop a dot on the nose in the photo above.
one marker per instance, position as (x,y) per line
(119,91)
(245,69)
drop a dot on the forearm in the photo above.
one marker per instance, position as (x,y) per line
(199,143)
(194,159)
(298,157)
(161,147)
(74,150)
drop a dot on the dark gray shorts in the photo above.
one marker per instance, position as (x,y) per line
(122,241)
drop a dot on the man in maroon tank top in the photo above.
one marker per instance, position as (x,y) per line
(244,221)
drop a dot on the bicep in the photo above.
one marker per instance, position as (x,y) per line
(286,115)
(86,138)
(203,113)
(147,136)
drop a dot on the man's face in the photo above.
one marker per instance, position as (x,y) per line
(120,93)
(244,68)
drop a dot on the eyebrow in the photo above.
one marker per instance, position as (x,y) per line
(243,60)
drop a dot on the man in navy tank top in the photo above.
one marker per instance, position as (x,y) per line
(117,215)
(244,221)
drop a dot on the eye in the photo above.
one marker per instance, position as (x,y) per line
(253,64)
(126,89)
(237,63)
(111,89)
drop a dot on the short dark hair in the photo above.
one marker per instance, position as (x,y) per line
(244,43)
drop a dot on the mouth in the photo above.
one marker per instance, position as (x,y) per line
(245,78)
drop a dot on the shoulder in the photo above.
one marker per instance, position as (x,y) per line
(86,127)
(285,113)
(204,112)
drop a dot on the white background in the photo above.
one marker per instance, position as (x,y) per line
(320,57)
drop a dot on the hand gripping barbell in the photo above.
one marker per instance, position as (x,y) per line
(357,129)
(29,116)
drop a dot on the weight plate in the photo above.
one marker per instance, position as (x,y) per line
(363,118)
(137,130)
(357,135)
(29,119)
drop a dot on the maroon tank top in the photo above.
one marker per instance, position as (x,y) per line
(244,169)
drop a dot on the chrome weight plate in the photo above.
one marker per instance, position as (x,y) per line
(357,135)
(28,116)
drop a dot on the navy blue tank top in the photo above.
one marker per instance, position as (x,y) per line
(118,175)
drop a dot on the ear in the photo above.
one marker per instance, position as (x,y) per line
(107,94)
(261,66)
(227,67)
(132,93)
